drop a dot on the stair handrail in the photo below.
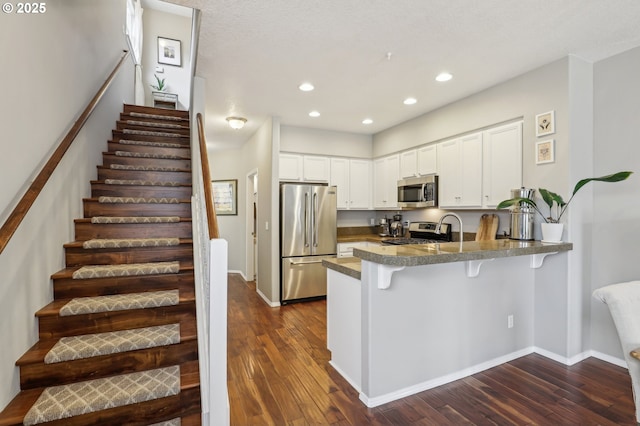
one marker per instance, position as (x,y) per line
(212,218)
(20,211)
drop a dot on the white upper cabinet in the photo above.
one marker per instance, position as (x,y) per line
(386,173)
(315,169)
(459,165)
(427,160)
(409,164)
(353,181)
(290,167)
(502,162)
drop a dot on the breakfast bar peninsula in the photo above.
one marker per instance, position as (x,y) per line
(403,319)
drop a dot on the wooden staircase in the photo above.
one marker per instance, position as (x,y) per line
(142,192)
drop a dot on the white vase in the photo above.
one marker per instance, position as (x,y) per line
(552,232)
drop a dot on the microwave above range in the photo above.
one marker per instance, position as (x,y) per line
(418,192)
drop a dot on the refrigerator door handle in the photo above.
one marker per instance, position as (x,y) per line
(305,263)
(306,219)
(315,220)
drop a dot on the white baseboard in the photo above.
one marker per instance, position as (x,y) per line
(233,271)
(266,299)
(610,359)
(345,376)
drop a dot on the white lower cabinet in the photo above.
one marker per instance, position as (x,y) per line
(346,249)
(352,177)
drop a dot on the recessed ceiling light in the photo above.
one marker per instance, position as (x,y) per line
(306,87)
(367,121)
(410,101)
(444,76)
(314,114)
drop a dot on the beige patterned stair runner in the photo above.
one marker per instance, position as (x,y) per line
(156,116)
(134,219)
(154,124)
(104,243)
(147,155)
(137,200)
(125,270)
(139,182)
(92,345)
(120,302)
(150,143)
(61,402)
(173,422)
(144,168)
(150,133)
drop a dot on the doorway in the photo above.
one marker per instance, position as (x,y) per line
(252,226)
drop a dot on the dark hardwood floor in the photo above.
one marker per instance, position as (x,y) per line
(279,375)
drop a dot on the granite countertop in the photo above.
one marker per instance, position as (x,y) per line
(371,238)
(346,265)
(429,254)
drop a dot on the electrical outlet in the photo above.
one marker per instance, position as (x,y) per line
(510,321)
(266,226)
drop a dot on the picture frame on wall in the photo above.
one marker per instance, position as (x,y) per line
(169,51)
(225,197)
(545,123)
(545,152)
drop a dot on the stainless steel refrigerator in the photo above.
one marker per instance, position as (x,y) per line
(308,235)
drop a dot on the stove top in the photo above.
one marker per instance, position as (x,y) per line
(423,233)
(403,241)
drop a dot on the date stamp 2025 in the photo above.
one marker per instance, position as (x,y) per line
(24,8)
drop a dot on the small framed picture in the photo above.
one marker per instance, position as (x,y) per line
(169,52)
(545,152)
(225,197)
(545,123)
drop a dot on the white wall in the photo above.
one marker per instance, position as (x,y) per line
(616,208)
(57,62)
(323,142)
(167,25)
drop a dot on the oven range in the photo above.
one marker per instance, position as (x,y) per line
(423,233)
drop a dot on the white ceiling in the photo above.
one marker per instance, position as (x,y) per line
(254,54)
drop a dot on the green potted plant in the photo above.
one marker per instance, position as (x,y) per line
(159,86)
(557,206)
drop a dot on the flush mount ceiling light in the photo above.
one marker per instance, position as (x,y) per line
(236,122)
(444,76)
(314,114)
(410,101)
(367,121)
(306,87)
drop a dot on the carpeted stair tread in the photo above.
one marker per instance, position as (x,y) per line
(68,272)
(151,143)
(142,168)
(155,124)
(148,155)
(92,345)
(138,200)
(60,402)
(132,219)
(156,116)
(152,133)
(120,302)
(140,182)
(123,270)
(172,422)
(104,243)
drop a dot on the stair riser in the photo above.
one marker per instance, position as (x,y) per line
(61,373)
(120,125)
(109,159)
(128,117)
(182,177)
(94,208)
(67,288)
(148,191)
(186,403)
(180,152)
(116,135)
(86,231)
(128,109)
(76,256)
(74,325)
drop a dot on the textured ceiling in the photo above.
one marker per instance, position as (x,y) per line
(254,53)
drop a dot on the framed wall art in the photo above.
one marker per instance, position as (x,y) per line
(225,197)
(545,152)
(545,123)
(169,52)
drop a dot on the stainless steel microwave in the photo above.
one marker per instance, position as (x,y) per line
(418,192)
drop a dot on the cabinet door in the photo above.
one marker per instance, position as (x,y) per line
(502,162)
(449,173)
(471,170)
(359,184)
(340,178)
(393,175)
(316,169)
(408,164)
(427,160)
(380,183)
(290,167)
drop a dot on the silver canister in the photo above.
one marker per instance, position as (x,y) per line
(522,215)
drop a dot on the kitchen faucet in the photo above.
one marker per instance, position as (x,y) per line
(439,225)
